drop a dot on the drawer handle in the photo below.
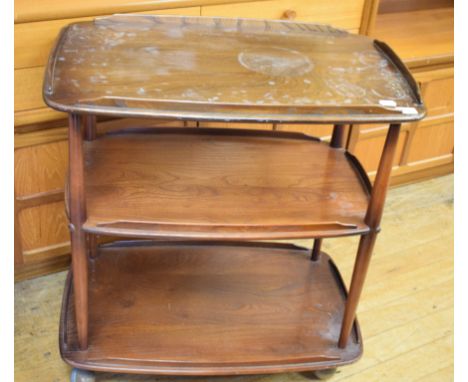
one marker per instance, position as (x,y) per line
(289,14)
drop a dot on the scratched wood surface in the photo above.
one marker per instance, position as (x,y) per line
(406,313)
(142,185)
(226,69)
(196,308)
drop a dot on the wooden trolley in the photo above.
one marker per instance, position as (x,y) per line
(190,283)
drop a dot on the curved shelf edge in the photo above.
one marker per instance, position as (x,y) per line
(212,216)
(326,354)
(136,229)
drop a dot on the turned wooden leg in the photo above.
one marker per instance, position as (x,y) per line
(89,131)
(78,237)
(338,137)
(372,219)
(92,246)
(316,249)
(90,127)
(366,245)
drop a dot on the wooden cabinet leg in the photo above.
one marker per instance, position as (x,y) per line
(78,237)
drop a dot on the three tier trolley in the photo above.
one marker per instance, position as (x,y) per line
(191,279)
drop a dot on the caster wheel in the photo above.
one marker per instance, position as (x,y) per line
(78,375)
(321,375)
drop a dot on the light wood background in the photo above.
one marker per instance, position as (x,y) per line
(406,311)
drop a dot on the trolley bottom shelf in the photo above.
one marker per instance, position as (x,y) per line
(192,308)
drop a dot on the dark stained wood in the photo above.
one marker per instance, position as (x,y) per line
(226,69)
(77,218)
(338,137)
(366,244)
(316,249)
(90,134)
(90,127)
(207,309)
(92,246)
(379,191)
(221,184)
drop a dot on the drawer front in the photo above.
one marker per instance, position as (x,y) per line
(342,14)
(28,89)
(33,41)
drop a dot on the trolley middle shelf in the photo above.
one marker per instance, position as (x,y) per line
(222,184)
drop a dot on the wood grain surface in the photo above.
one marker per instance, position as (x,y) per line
(207,309)
(406,313)
(209,68)
(341,14)
(408,34)
(221,183)
(29,11)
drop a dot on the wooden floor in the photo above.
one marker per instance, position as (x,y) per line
(406,311)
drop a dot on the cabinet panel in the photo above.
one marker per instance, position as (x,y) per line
(342,14)
(369,146)
(41,168)
(28,89)
(438,96)
(437,90)
(43,226)
(432,139)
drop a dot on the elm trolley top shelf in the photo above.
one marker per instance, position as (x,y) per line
(227,70)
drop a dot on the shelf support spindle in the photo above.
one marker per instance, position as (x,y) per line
(77,218)
(372,219)
(90,127)
(316,249)
(338,137)
(337,141)
(89,132)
